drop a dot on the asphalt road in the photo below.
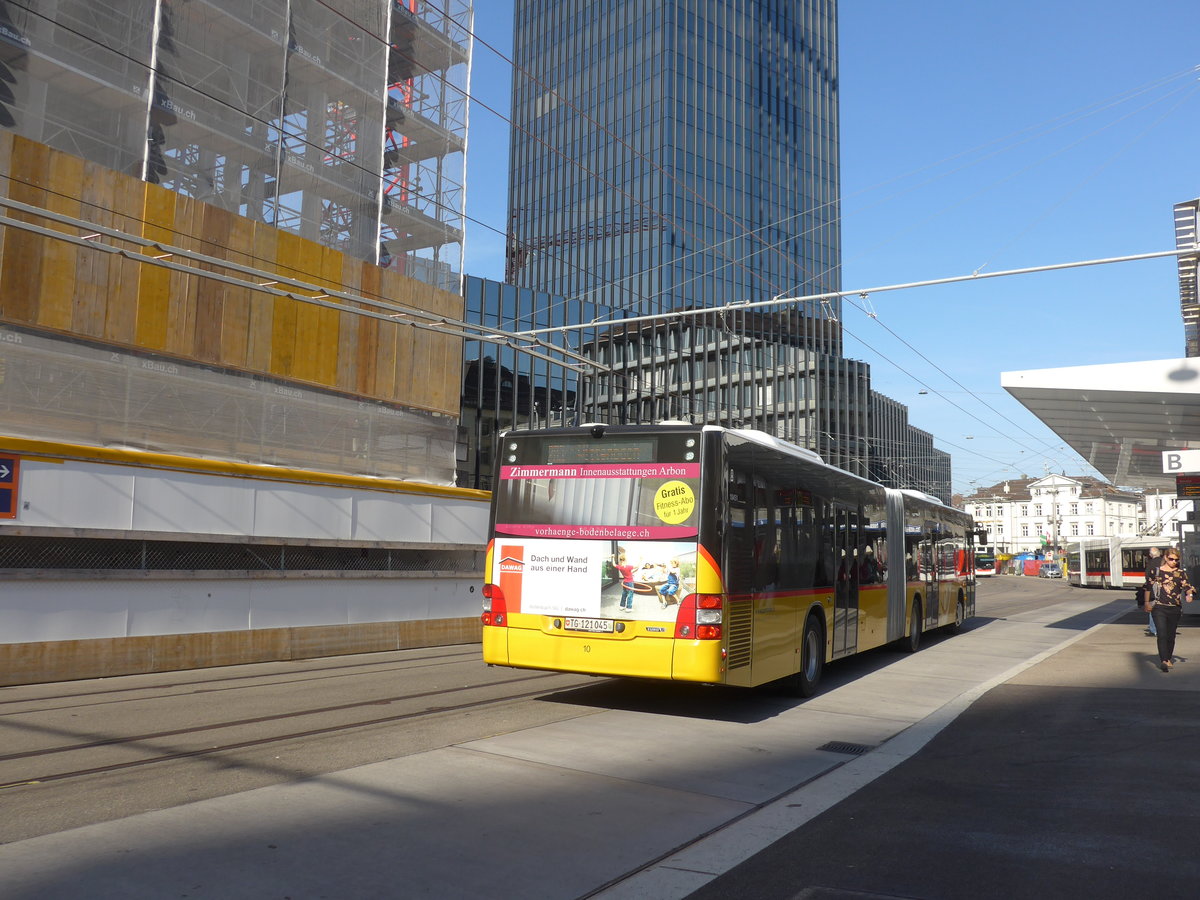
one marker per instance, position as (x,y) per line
(76,753)
(659,765)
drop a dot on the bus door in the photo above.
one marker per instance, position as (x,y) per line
(846,538)
(932,564)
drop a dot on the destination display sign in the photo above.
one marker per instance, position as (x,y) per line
(1187,486)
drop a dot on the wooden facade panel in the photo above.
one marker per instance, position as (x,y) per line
(308,259)
(398,366)
(154,283)
(366,362)
(97,197)
(181,309)
(262,306)
(283,326)
(346,374)
(447,363)
(235,318)
(215,231)
(415,376)
(22,250)
(329,336)
(123,275)
(6,147)
(57,307)
(387,360)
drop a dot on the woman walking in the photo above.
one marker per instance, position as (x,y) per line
(1168,589)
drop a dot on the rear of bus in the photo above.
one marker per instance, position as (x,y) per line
(594,561)
(985,563)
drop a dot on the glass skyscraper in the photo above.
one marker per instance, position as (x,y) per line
(675,153)
(671,156)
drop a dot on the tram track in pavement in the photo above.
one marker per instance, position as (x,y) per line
(135,741)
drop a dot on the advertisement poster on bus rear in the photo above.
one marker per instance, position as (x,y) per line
(597,540)
(606,579)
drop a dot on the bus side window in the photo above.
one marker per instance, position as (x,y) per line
(787,540)
(766,537)
(807,548)
(739,545)
(874,562)
(826,567)
(854,547)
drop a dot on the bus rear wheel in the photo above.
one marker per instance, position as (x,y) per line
(912,643)
(812,661)
(960,616)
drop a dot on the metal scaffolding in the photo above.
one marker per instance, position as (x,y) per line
(343,121)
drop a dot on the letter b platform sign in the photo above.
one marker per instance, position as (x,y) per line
(10,466)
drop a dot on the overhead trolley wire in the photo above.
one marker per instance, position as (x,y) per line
(616,284)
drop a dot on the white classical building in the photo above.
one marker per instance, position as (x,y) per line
(1164,513)
(1030,514)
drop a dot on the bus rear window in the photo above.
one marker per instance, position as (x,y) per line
(587,488)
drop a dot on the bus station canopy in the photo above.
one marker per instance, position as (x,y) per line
(1120,417)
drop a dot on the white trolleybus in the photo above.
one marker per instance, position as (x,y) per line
(1110,562)
(707,554)
(985,561)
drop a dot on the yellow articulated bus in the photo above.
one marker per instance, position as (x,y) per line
(708,554)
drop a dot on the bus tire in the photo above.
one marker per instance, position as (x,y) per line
(812,661)
(960,616)
(912,643)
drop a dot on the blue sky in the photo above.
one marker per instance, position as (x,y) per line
(977,137)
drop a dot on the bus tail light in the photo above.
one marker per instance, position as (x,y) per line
(495,610)
(700,617)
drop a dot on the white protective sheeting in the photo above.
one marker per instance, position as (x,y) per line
(80,495)
(74,494)
(63,610)
(192,503)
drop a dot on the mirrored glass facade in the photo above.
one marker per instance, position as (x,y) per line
(671,153)
(678,155)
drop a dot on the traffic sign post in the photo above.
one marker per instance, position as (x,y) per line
(10,468)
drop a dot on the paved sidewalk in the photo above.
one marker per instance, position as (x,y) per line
(1077,778)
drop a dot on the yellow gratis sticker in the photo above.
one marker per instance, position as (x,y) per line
(674,502)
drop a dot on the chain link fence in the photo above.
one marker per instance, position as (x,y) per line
(50,555)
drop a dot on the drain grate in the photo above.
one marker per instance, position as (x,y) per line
(817,892)
(846,747)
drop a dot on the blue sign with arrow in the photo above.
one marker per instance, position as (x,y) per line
(10,466)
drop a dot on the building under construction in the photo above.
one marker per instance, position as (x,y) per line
(230,250)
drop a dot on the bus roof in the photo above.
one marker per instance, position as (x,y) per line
(767,440)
